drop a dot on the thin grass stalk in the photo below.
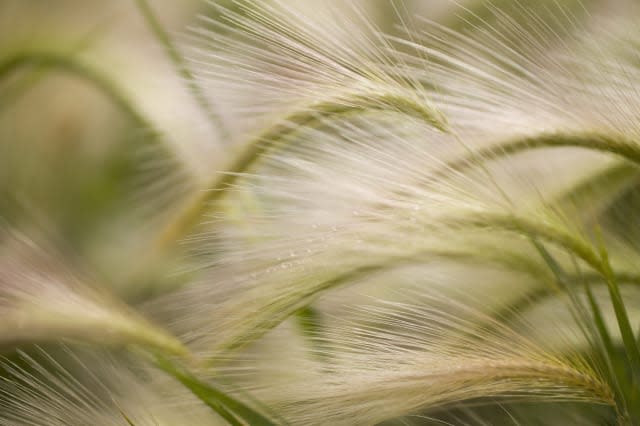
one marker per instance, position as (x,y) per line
(232,410)
(126,418)
(37,75)
(598,320)
(628,338)
(182,68)
(619,145)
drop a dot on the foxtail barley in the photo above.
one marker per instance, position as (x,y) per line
(430,226)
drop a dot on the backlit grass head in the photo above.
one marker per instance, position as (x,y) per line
(429,226)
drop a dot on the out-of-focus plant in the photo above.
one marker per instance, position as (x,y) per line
(430,224)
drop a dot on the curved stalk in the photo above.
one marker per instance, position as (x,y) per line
(554,373)
(181,67)
(622,146)
(71,66)
(528,227)
(42,298)
(592,196)
(37,75)
(100,320)
(226,406)
(423,387)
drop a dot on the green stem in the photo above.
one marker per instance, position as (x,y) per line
(619,145)
(29,81)
(580,313)
(628,338)
(598,319)
(229,408)
(182,67)
(544,230)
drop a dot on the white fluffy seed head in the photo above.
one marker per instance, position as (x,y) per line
(42,298)
(73,387)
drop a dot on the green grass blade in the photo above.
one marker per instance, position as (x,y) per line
(550,261)
(564,282)
(626,331)
(125,417)
(226,406)
(598,320)
(607,351)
